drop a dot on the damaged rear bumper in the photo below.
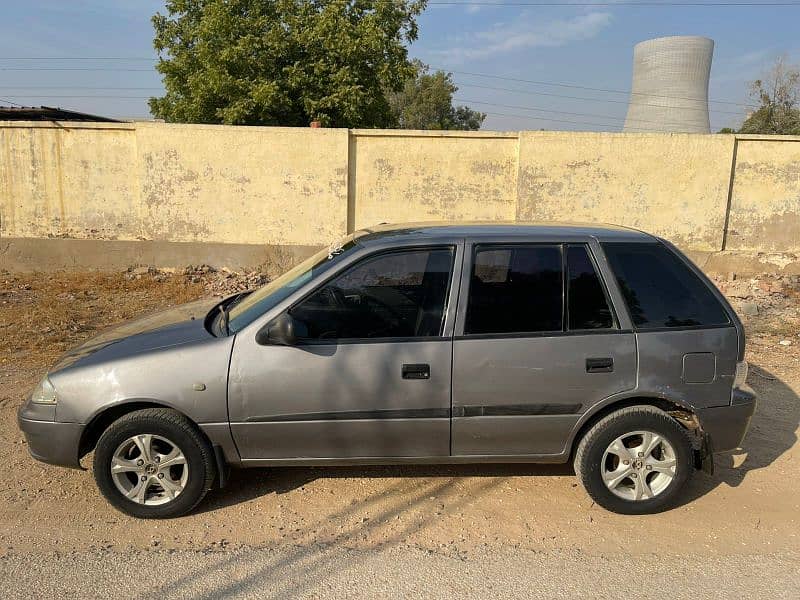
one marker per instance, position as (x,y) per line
(726,426)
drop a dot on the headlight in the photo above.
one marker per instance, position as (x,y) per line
(741,374)
(44,393)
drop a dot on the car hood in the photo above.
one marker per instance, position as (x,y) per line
(180,325)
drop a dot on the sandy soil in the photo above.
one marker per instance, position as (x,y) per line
(751,506)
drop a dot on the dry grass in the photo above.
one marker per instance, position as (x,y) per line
(42,315)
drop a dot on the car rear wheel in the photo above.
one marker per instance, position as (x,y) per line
(635,461)
(153,463)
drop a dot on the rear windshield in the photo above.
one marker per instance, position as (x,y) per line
(660,290)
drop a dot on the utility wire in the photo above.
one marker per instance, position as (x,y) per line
(547,83)
(608,100)
(591,89)
(82,96)
(643,4)
(605,126)
(473,74)
(460,85)
(74,87)
(10,102)
(562,112)
(532,118)
(72,69)
(464,100)
(125,58)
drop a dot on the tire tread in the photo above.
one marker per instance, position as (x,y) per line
(634,413)
(145,418)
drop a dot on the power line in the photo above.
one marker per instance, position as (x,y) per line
(10,102)
(592,89)
(71,96)
(643,4)
(74,87)
(529,108)
(562,112)
(608,100)
(532,118)
(484,75)
(568,121)
(73,69)
(125,58)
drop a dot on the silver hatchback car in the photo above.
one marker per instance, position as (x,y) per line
(456,343)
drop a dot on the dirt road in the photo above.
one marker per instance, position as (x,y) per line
(391,528)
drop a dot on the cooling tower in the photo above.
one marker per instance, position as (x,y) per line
(669,91)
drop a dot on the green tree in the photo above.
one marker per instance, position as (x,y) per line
(283,62)
(779,96)
(426,102)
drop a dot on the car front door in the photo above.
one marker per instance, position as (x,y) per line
(370,377)
(537,342)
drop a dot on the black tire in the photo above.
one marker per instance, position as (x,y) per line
(174,427)
(592,447)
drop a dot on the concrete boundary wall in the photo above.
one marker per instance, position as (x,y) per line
(99,195)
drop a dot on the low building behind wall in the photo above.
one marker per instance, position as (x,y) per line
(96,195)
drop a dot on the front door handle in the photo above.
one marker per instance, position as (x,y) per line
(417,371)
(599,365)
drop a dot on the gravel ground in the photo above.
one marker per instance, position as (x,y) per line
(400,572)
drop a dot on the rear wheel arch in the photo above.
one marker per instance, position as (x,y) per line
(674,408)
(635,461)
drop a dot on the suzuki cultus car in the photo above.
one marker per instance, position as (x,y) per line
(597,345)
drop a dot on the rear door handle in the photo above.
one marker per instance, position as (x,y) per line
(599,365)
(417,371)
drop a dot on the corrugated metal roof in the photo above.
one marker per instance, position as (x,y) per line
(46,113)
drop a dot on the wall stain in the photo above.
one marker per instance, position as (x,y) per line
(384,168)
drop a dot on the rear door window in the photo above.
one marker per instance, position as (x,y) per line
(515,289)
(587,300)
(660,289)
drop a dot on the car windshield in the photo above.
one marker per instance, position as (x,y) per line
(264,298)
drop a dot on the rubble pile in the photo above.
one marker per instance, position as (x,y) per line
(765,302)
(751,295)
(217,282)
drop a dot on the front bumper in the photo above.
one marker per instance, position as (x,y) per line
(727,425)
(52,442)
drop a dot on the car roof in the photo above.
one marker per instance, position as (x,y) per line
(411,232)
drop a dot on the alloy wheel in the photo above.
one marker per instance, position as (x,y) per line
(149,469)
(639,465)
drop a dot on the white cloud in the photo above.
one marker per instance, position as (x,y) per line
(471,9)
(756,57)
(525,33)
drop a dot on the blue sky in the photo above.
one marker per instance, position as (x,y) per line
(584,46)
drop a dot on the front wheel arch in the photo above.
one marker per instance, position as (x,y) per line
(103,419)
(186,448)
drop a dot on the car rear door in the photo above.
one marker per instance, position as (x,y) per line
(537,342)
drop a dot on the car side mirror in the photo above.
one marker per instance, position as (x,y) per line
(283,330)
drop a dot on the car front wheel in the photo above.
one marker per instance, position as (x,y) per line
(153,463)
(635,461)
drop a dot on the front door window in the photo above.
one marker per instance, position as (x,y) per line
(391,295)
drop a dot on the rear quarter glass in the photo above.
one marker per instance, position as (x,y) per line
(660,290)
